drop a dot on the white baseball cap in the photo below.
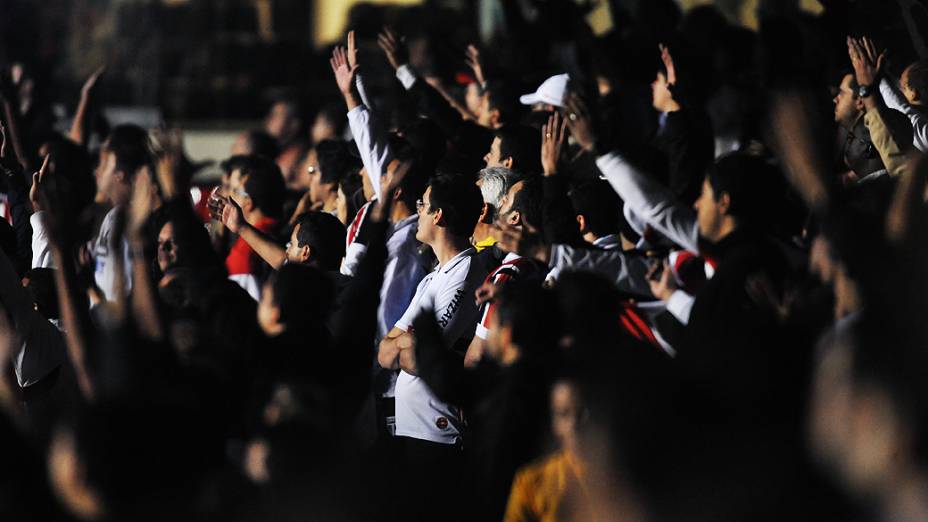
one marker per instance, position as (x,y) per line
(551,91)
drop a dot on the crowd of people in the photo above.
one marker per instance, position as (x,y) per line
(661,283)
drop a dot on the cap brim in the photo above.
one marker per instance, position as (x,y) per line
(530,99)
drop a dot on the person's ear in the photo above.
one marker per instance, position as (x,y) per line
(305,253)
(485,213)
(119,176)
(438,217)
(582,222)
(397,194)
(724,203)
(514,218)
(916,95)
(507,162)
(247,205)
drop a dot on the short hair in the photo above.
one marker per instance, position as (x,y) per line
(459,201)
(495,183)
(335,161)
(599,205)
(427,138)
(413,184)
(528,202)
(753,184)
(918,78)
(42,287)
(131,146)
(523,144)
(263,182)
(325,235)
(303,294)
(261,143)
(531,312)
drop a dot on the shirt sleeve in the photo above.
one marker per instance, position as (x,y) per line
(886,143)
(895,100)
(651,201)
(418,302)
(373,144)
(41,249)
(353,255)
(629,273)
(680,305)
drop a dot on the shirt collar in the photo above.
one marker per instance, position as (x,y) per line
(607,242)
(510,257)
(453,262)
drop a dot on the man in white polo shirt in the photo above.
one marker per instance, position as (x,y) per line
(430,430)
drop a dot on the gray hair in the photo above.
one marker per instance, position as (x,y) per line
(494,184)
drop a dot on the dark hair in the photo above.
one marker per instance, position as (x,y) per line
(528,202)
(335,161)
(599,205)
(501,97)
(261,143)
(42,286)
(754,185)
(531,312)
(523,144)
(459,200)
(263,182)
(304,295)
(131,146)
(334,113)
(325,235)
(413,184)
(427,138)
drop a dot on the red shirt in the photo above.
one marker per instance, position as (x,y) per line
(242,259)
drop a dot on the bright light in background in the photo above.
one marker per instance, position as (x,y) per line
(332,15)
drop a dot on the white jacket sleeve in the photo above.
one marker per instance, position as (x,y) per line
(373,144)
(41,249)
(895,100)
(629,273)
(651,201)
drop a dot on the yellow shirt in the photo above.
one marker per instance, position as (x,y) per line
(486,243)
(539,490)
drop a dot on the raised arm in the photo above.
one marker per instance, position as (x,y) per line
(648,199)
(226,210)
(144,298)
(78,132)
(369,135)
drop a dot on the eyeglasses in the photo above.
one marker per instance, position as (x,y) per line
(420,205)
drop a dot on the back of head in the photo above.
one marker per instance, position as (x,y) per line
(335,161)
(523,144)
(261,143)
(495,182)
(304,295)
(427,138)
(460,202)
(325,236)
(528,202)
(263,183)
(599,205)
(531,312)
(131,146)
(73,172)
(503,98)
(417,175)
(755,186)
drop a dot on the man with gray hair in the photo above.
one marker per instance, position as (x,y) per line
(494,183)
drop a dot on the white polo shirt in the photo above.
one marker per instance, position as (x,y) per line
(449,291)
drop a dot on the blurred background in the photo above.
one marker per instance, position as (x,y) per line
(214,67)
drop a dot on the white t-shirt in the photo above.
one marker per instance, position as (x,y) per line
(105,258)
(449,291)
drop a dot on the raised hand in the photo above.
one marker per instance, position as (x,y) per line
(91,82)
(579,122)
(344,73)
(552,141)
(473,61)
(170,161)
(141,203)
(660,279)
(668,64)
(352,51)
(35,195)
(867,62)
(394,47)
(225,210)
(524,241)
